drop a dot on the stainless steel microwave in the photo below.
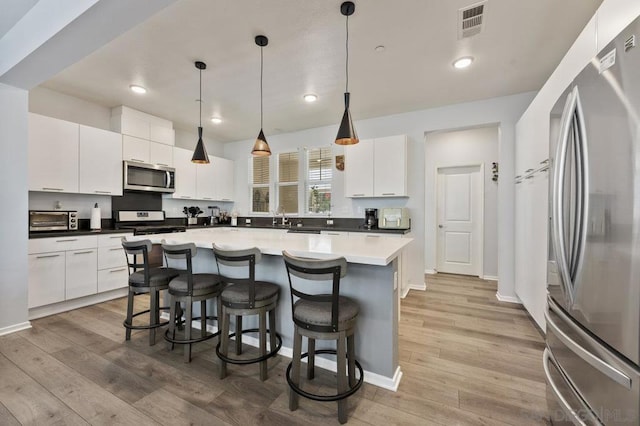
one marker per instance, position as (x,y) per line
(148,177)
(53,220)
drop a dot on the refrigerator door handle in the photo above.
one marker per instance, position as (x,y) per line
(566,407)
(606,369)
(557,199)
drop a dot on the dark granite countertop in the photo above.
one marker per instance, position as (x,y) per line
(50,234)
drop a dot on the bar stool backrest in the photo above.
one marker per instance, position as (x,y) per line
(133,249)
(233,260)
(316,270)
(184,254)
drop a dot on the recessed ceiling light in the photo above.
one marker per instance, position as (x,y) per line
(216,120)
(463,62)
(310,97)
(137,89)
(379,48)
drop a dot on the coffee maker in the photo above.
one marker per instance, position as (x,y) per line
(370,218)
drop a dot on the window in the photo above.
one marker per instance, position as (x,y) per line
(288,182)
(318,185)
(260,184)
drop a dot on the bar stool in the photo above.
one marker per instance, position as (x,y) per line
(246,296)
(189,288)
(144,280)
(326,316)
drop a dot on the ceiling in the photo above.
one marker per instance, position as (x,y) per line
(519,46)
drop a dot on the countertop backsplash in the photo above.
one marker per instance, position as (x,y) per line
(82,203)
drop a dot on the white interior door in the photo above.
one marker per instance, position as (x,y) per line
(459,220)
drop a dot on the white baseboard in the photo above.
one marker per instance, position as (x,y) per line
(430,271)
(389,383)
(15,327)
(490,277)
(420,287)
(404,292)
(510,299)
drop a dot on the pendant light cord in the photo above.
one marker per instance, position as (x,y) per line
(347,64)
(200,98)
(261,65)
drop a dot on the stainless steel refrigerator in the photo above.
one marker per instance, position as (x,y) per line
(592,358)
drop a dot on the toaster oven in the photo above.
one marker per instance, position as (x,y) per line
(394,218)
(53,220)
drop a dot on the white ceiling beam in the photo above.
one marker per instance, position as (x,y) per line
(55,34)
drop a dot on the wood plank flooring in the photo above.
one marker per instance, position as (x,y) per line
(467,359)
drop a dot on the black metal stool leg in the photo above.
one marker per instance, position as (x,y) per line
(351,359)
(311,359)
(295,370)
(262,338)
(342,376)
(238,334)
(224,342)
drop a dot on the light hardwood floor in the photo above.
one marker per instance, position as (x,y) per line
(467,360)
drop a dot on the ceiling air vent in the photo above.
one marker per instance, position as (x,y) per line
(470,19)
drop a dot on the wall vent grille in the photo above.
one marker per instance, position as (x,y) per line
(471,20)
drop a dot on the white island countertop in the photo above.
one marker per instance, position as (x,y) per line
(368,250)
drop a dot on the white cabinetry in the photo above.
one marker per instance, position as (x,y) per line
(129,121)
(185,174)
(112,265)
(160,154)
(145,151)
(213,181)
(70,267)
(100,165)
(376,168)
(53,154)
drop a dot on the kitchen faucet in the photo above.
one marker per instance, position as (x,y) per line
(274,219)
(284,218)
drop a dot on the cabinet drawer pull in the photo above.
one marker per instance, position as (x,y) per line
(83,252)
(52,189)
(118,237)
(184,196)
(388,193)
(162,164)
(116,249)
(529,177)
(226,199)
(136,160)
(544,161)
(48,255)
(102,192)
(66,241)
(332,233)
(528,170)
(207,198)
(118,270)
(373,236)
(358,195)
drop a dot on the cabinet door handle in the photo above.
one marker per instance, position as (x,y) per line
(48,255)
(136,160)
(528,170)
(102,192)
(162,164)
(118,237)
(117,270)
(207,198)
(358,195)
(373,236)
(332,233)
(66,241)
(226,199)
(388,193)
(83,252)
(184,196)
(114,249)
(52,189)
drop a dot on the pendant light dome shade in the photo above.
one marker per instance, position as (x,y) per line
(200,153)
(347,133)
(261,147)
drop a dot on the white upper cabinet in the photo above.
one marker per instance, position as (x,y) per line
(161,154)
(135,149)
(53,154)
(206,180)
(161,134)
(137,124)
(185,174)
(358,169)
(223,175)
(100,165)
(390,166)
(376,168)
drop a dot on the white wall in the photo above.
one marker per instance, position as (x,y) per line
(13,214)
(463,147)
(501,111)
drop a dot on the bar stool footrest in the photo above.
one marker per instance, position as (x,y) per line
(196,340)
(324,398)
(250,360)
(147,326)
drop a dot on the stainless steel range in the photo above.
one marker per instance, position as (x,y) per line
(145,222)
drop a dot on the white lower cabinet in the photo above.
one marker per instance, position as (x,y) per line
(81,273)
(46,278)
(70,267)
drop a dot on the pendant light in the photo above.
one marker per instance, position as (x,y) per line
(347,133)
(200,153)
(261,147)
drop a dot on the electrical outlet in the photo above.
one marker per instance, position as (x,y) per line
(247,221)
(329,221)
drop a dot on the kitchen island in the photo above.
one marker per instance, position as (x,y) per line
(372,280)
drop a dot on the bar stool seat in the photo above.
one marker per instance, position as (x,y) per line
(324,316)
(245,296)
(144,279)
(189,287)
